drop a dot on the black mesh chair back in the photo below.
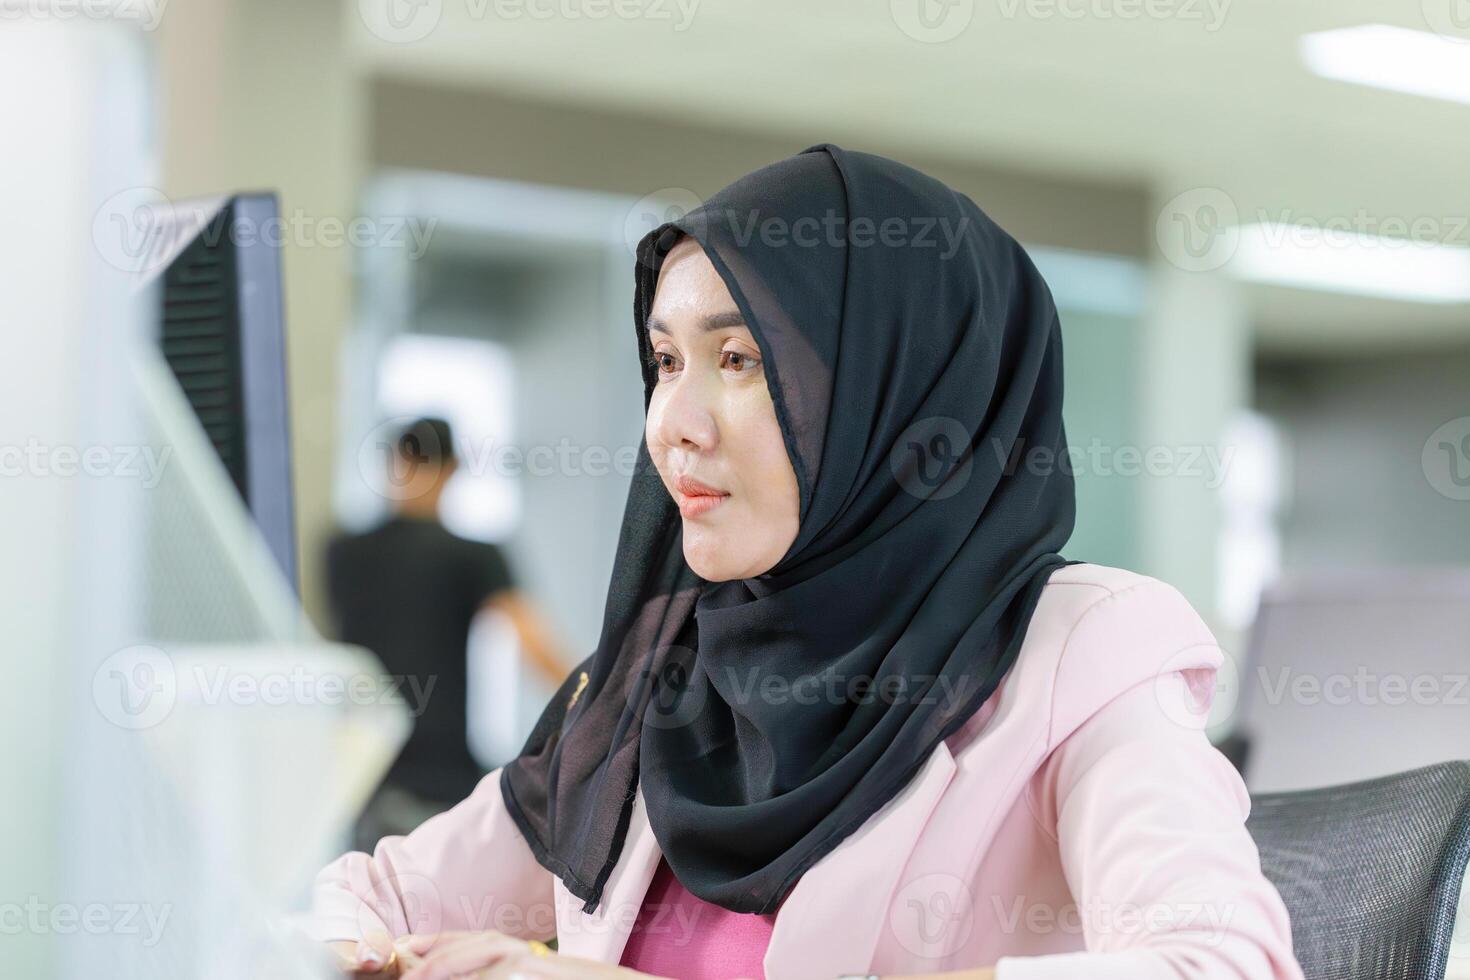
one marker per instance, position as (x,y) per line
(1371,871)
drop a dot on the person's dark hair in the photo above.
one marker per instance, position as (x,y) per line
(426,440)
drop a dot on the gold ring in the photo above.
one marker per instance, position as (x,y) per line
(539,948)
(392,961)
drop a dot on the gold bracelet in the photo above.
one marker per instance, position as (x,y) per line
(539,948)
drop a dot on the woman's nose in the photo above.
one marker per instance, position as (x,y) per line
(686,418)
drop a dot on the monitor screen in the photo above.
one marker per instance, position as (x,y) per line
(221,327)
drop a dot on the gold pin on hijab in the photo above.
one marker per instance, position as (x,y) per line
(581,683)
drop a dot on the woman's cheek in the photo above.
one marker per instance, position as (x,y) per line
(650,433)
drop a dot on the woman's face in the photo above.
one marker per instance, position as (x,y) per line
(711,427)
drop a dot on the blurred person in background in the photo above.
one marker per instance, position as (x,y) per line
(408,590)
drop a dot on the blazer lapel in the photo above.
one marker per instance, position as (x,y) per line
(832,920)
(602,934)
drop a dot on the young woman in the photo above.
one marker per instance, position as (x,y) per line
(850,711)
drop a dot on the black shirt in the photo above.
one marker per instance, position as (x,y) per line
(407,590)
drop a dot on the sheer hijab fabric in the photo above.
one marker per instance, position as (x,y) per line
(913,354)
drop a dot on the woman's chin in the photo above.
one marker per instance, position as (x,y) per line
(707,563)
(714,557)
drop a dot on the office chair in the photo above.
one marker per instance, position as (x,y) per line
(1370,871)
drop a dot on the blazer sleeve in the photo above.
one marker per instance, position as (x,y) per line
(466,868)
(1149,819)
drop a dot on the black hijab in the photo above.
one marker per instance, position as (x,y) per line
(914,358)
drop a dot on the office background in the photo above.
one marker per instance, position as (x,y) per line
(1252,214)
(1204,184)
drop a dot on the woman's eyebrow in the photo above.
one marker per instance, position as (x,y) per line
(715,321)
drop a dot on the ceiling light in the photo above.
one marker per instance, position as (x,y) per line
(1394,58)
(1314,257)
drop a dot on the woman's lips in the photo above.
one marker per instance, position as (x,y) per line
(700,504)
(696,498)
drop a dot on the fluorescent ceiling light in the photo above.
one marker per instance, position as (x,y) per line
(1394,58)
(1359,264)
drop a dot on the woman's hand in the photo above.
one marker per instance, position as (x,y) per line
(381,957)
(556,967)
(496,956)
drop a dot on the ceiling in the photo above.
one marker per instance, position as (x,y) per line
(1204,94)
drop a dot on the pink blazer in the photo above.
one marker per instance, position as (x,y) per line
(1080,826)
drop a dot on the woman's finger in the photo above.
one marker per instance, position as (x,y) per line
(525,965)
(419,947)
(473,953)
(422,943)
(374,950)
(518,966)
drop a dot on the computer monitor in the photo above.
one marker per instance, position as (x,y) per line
(221,327)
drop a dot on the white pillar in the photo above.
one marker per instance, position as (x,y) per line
(1195,375)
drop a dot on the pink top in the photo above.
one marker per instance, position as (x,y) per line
(679,935)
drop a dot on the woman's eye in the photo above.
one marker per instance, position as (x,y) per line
(666,365)
(662,361)
(734,359)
